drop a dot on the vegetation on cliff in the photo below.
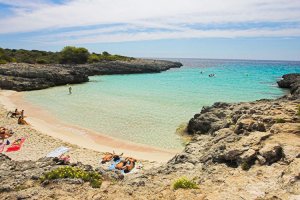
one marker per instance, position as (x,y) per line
(185,183)
(74,173)
(68,55)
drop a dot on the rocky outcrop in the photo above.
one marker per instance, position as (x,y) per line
(291,81)
(24,77)
(222,115)
(125,67)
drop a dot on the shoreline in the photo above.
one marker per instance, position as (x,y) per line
(82,137)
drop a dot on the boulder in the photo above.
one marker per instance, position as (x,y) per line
(288,79)
(291,81)
(272,153)
(210,119)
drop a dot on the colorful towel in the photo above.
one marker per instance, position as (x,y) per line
(113,164)
(58,152)
(16,145)
(2,147)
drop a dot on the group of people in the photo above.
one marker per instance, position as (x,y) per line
(19,114)
(126,164)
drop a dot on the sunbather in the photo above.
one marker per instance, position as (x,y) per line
(17,142)
(16,113)
(63,159)
(121,164)
(2,130)
(5,133)
(129,165)
(22,113)
(22,121)
(110,156)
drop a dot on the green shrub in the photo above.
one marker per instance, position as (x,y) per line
(74,55)
(2,62)
(105,53)
(280,120)
(185,183)
(41,61)
(74,172)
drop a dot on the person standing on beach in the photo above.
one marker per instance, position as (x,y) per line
(70,90)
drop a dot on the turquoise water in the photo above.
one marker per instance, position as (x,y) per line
(148,108)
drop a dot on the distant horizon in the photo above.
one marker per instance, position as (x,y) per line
(233,59)
(154,57)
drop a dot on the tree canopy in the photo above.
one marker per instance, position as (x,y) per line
(74,55)
(68,55)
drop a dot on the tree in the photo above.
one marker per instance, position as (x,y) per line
(74,55)
(105,53)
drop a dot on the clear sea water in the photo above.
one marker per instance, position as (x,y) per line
(148,108)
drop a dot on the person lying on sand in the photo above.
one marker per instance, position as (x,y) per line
(121,164)
(63,160)
(5,133)
(129,165)
(2,130)
(17,142)
(110,156)
(22,121)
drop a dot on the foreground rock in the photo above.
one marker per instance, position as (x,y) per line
(23,77)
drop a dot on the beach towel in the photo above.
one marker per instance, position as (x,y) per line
(113,164)
(2,147)
(16,145)
(58,152)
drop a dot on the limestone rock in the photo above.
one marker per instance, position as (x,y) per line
(271,152)
(24,77)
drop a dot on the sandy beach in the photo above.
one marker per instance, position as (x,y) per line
(45,133)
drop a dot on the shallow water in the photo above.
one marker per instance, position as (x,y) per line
(148,108)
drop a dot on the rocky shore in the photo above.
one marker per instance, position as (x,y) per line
(238,151)
(24,77)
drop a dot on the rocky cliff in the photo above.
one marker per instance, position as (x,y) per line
(23,77)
